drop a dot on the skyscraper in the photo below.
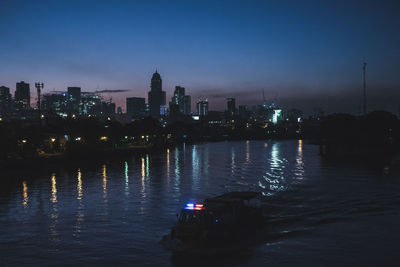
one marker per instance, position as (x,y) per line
(135,107)
(181,100)
(202,107)
(73,99)
(22,96)
(231,104)
(156,96)
(54,103)
(242,112)
(5,100)
(188,105)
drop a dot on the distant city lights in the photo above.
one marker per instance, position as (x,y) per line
(276,116)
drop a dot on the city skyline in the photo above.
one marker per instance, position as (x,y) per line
(302,54)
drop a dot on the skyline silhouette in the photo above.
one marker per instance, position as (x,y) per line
(304,54)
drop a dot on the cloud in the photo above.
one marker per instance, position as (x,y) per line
(113,91)
(330,99)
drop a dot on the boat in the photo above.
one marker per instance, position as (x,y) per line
(217,225)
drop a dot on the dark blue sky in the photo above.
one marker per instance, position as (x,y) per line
(304,53)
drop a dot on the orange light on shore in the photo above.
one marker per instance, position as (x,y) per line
(104,138)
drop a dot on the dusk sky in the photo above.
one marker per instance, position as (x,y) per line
(304,54)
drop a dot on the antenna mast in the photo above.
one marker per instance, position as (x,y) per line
(364,88)
(263,98)
(39,87)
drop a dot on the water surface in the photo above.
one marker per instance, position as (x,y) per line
(114,212)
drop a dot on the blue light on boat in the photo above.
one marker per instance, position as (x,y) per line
(191,206)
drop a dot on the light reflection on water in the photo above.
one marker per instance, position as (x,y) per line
(177,179)
(247,151)
(53,188)
(195,167)
(168,164)
(126,179)
(80,214)
(54,236)
(79,186)
(299,167)
(143,177)
(104,174)
(25,193)
(118,211)
(233,165)
(275,176)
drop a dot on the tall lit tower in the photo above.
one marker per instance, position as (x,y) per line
(364,88)
(39,87)
(156,96)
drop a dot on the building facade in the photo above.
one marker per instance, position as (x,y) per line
(156,96)
(202,107)
(231,105)
(22,97)
(5,101)
(135,107)
(73,99)
(188,105)
(181,100)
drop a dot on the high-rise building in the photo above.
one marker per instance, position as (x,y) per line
(5,100)
(135,107)
(22,96)
(231,104)
(174,112)
(73,99)
(181,100)
(91,104)
(156,96)
(54,103)
(107,110)
(188,105)
(243,112)
(202,107)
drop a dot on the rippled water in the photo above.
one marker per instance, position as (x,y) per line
(115,212)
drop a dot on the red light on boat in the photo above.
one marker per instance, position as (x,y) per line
(191,206)
(199,207)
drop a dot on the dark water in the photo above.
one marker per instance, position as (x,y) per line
(115,212)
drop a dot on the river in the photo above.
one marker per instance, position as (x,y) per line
(115,211)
